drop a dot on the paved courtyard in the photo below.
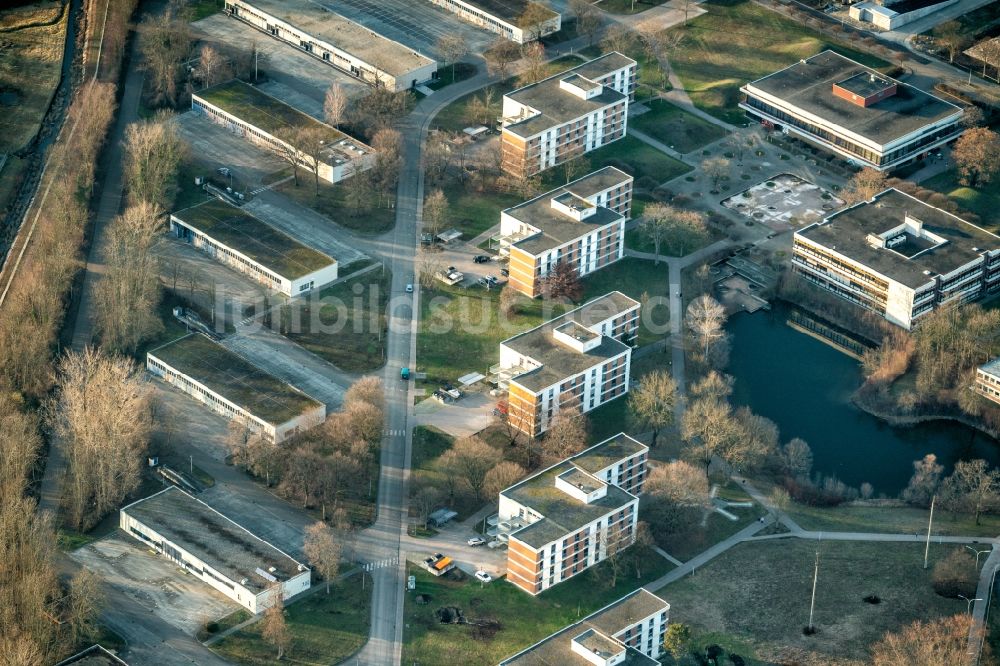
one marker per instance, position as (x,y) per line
(464,417)
(217,146)
(784,202)
(155,583)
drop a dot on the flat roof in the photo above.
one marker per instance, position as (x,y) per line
(556,105)
(607,453)
(95,655)
(557,228)
(556,650)
(991,367)
(235,378)
(508,10)
(560,361)
(320,20)
(248,235)
(808,85)
(270,114)
(227,547)
(563,514)
(847,233)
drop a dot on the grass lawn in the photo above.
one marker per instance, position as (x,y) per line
(628,6)
(984,201)
(203,8)
(676,127)
(717,528)
(30,63)
(758,594)
(635,239)
(901,520)
(473,212)
(448,75)
(631,156)
(342,326)
(331,202)
(523,619)
(218,626)
(608,420)
(460,329)
(10,178)
(325,628)
(738,41)
(636,278)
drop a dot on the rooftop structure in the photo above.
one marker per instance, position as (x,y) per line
(249,245)
(506,17)
(95,655)
(587,503)
(582,223)
(566,115)
(853,110)
(988,380)
(899,256)
(317,29)
(235,387)
(210,545)
(628,632)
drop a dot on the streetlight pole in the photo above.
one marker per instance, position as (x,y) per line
(968,603)
(930,522)
(812,602)
(978,553)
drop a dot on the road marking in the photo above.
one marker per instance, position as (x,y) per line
(395,433)
(380,564)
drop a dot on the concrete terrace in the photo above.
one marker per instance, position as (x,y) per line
(234,378)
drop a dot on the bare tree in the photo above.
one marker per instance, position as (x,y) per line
(503,476)
(213,68)
(950,34)
(508,301)
(165,40)
(563,281)
(974,487)
(379,109)
(153,151)
(472,459)
(705,318)
(619,38)
(310,142)
(367,389)
(532,20)
(566,435)
(710,429)
(274,629)
(435,212)
(864,185)
(426,497)
(679,483)
(934,643)
(925,482)
(575,167)
(533,55)
(681,230)
(102,415)
(83,604)
(335,105)
(588,19)
(388,147)
(20,441)
(499,56)
(453,47)
(797,458)
(651,405)
(716,168)
(714,385)
(977,154)
(323,550)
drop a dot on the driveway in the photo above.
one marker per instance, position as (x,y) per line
(172,595)
(461,418)
(216,145)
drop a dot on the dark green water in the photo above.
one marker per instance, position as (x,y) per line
(804,386)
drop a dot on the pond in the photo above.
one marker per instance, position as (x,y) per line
(805,386)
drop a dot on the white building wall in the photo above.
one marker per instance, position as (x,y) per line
(649,630)
(493,23)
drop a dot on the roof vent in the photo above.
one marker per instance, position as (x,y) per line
(975,249)
(244,581)
(927,272)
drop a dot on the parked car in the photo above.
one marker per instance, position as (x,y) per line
(481,259)
(476,541)
(483,576)
(404,374)
(504,272)
(409,288)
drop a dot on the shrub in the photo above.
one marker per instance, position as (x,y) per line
(212,627)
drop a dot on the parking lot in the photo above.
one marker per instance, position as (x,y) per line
(215,146)
(466,416)
(282,62)
(462,256)
(155,583)
(418,25)
(452,540)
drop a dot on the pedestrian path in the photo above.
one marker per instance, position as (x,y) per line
(264,188)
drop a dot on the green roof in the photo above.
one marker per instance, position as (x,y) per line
(609,452)
(244,233)
(235,379)
(261,110)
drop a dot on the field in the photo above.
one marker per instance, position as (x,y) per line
(636,278)
(473,212)
(630,155)
(523,619)
(332,202)
(756,597)
(676,127)
(348,329)
(897,520)
(326,629)
(984,201)
(738,41)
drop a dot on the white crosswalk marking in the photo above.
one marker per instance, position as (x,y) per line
(380,564)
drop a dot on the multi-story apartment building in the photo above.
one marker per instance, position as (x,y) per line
(582,224)
(235,388)
(264,121)
(318,30)
(988,380)
(571,516)
(510,18)
(628,632)
(846,108)
(244,243)
(578,360)
(898,257)
(566,115)
(214,549)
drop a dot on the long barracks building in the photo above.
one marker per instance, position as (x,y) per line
(505,17)
(337,41)
(582,224)
(852,110)
(566,115)
(898,257)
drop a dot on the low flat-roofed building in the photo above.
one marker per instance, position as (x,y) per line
(899,257)
(212,547)
(248,245)
(506,17)
(582,223)
(579,360)
(852,110)
(317,29)
(627,632)
(566,115)
(235,388)
(988,380)
(264,120)
(95,655)
(574,514)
